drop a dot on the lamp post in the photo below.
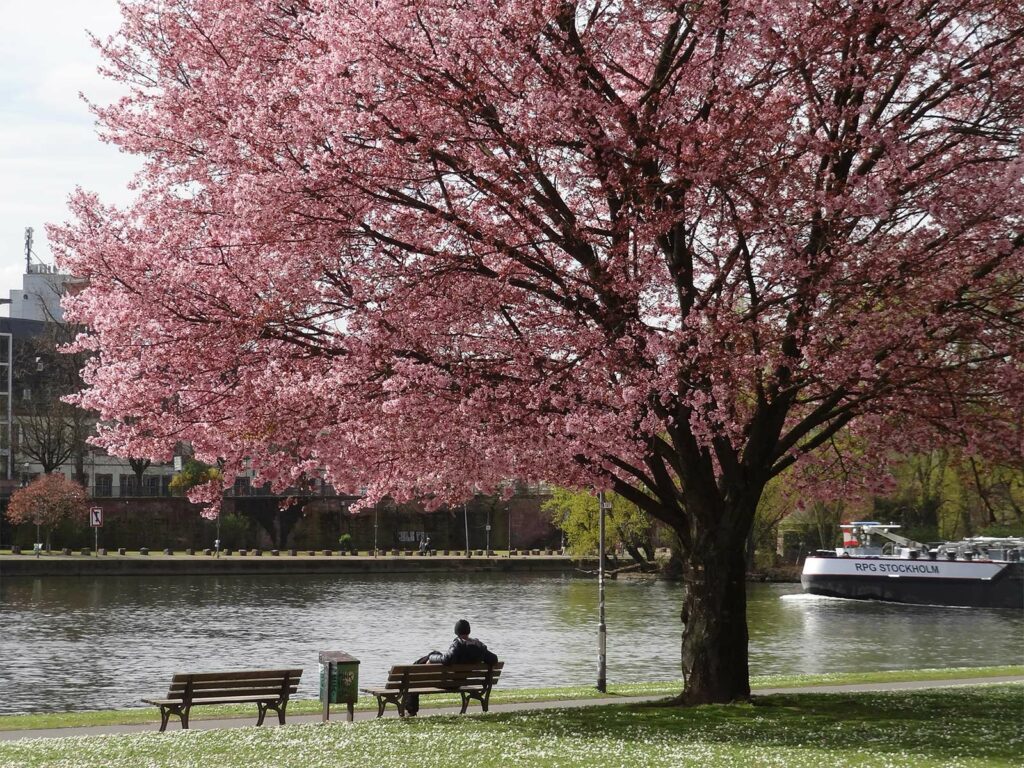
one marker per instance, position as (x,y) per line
(465,516)
(38,545)
(602,629)
(375,529)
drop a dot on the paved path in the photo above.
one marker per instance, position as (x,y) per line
(336,716)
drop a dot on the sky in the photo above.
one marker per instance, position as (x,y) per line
(48,142)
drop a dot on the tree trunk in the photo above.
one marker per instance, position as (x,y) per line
(714,615)
(712,518)
(80,475)
(636,554)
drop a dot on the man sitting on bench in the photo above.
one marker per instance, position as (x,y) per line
(463,650)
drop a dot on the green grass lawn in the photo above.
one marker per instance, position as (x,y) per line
(499,696)
(952,728)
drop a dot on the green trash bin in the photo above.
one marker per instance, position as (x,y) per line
(339,681)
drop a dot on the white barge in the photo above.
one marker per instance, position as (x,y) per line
(875,563)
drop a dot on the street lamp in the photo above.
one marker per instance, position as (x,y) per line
(38,545)
(602,629)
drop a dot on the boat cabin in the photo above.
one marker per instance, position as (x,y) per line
(873,539)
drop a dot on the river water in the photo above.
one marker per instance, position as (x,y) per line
(97,643)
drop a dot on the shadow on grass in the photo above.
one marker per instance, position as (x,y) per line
(981,722)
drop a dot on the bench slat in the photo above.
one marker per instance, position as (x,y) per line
(239,683)
(402,668)
(442,678)
(446,673)
(440,670)
(244,674)
(235,685)
(197,696)
(432,673)
(415,689)
(215,700)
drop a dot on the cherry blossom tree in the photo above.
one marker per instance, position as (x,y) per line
(46,501)
(669,249)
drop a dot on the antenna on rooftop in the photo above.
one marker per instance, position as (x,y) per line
(28,249)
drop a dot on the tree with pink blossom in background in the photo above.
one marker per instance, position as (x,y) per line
(46,502)
(666,249)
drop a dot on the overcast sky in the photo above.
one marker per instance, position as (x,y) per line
(48,142)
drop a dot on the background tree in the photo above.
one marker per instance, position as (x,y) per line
(46,501)
(945,494)
(576,514)
(668,249)
(139,466)
(51,431)
(778,501)
(46,435)
(194,473)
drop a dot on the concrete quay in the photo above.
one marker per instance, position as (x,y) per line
(159,564)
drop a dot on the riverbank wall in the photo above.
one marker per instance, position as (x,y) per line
(185,565)
(313,523)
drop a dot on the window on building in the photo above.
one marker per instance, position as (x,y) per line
(103,485)
(128,485)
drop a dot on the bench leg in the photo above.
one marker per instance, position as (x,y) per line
(279,708)
(383,699)
(176,709)
(467,696)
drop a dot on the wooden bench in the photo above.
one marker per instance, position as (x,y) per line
(266,688)
(471,681)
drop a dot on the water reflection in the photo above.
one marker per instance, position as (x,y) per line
(73,643)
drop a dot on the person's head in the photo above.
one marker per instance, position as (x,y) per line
(462,628)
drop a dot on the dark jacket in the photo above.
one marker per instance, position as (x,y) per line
(468,651)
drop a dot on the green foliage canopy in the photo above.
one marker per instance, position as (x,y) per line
(576,514)
(194,473)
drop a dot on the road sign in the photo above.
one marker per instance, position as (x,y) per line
(96,517)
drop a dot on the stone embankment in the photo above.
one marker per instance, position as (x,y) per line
(162,564)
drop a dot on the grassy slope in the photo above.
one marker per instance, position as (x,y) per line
(952,728)
(499,696)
